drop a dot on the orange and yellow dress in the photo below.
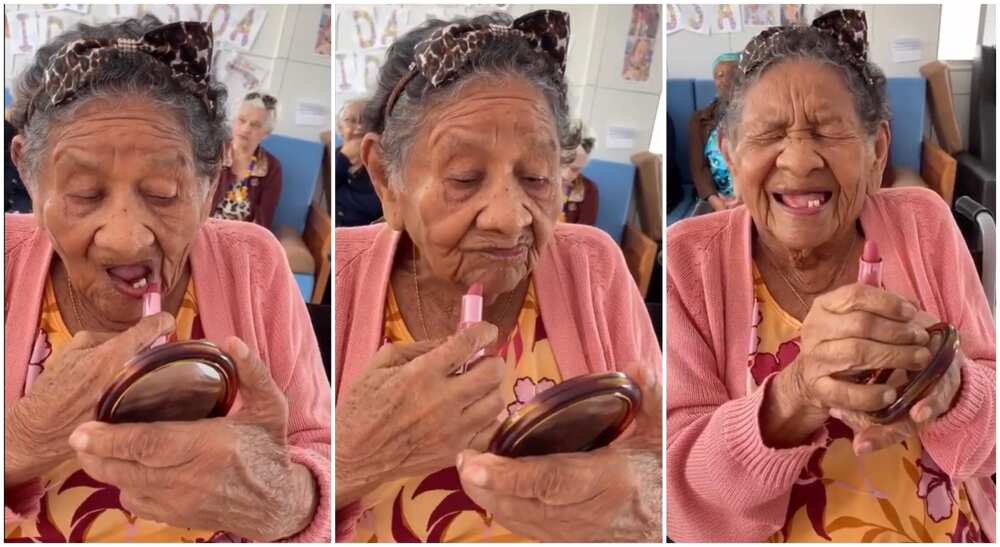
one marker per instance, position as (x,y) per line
(75,507)
(433,508)
(897,494)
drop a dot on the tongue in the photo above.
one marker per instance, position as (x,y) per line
(129,273)
(801,200)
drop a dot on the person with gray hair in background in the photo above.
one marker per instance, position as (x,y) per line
(121,130)
(357,202)
(250,180)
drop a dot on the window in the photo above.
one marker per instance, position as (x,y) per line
(959,31)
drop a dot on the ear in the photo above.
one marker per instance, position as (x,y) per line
(371,157)
(17,145)
(883,138)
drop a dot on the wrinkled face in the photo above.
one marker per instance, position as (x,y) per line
(250,127)
(724,74)
(481,185)
(801,160)
(118,194)
(349,122)
(573,170)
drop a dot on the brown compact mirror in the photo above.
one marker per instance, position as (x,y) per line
(181,381)
(943,346)
(578,415)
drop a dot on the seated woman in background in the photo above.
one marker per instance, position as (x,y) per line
(357,202)
(779,446)
(250,181)
(711,177)
(582,197)
(464,140)
(121,132)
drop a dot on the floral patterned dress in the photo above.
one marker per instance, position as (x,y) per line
(75,507)
(434,508)
(897,494)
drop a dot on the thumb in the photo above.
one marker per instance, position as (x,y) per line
(257,388)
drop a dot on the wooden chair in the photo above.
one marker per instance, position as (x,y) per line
(938,170)
(318,238)
(640,254)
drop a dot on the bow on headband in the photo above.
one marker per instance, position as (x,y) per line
(184,47)
(847,27)
(440,56)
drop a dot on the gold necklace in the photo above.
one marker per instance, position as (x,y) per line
(420,309)
(75,304)
(836,275)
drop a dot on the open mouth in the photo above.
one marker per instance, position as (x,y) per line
(803,201)
(131,279)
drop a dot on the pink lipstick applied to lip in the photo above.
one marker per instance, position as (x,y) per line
(152,304)
(472,313)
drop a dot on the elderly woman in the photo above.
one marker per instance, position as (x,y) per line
(712,179)
(778,445)
(121,137)
(465,138)
(250,181)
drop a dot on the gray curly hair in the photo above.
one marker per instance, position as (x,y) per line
(124,77)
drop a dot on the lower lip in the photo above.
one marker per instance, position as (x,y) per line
(126,288)
(514,254)
(801,211)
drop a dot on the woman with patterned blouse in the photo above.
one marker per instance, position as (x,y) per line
(768,431)
(464,141)
(121,129)
(250,181)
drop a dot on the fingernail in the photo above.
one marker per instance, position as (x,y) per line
(923,414)
(476,475)
(889,396)
(864,448)
(79,440)
(458,463)
(240,349)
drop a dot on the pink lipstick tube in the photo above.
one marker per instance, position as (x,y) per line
(151,305)
(870,273)
(472,313)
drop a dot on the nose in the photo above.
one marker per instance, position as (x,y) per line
(506,211)
(799,157)
(123,235)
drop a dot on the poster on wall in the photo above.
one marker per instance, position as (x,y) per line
(323,35)
(761,15)
(673,22)
(724,18)
(639,45)
(694,18)
(792,15)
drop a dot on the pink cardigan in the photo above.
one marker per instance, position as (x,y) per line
(244,288)
(723,483)
(594,316)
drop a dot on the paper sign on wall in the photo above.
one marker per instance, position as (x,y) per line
(244,74)
(245,26)
(760,15)
(694,18)
(907,50)
(621,138)
(25,31)
(724,18)
(310,113)
(323,36)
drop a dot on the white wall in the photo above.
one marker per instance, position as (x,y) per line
(598,94)
(885,24)
(284,46)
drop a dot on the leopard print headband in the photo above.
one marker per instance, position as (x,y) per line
(847,27)
(184,47)
(440,56)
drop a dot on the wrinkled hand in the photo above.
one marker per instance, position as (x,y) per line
(232,474)
(407,414)
(609,494)
(732,202)
(65,395)
(870,436)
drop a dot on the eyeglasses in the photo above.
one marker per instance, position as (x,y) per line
(268,100)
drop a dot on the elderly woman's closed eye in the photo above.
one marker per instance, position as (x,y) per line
(122,130)
(465,141)
(829,282)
